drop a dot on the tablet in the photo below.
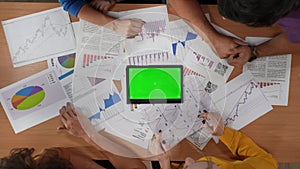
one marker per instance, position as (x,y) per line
(154,84)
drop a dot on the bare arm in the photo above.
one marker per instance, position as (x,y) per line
(192,12)
(278,45)
(72,125)
(127,27)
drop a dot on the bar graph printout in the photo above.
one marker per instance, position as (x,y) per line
(97,48)
(196,53)
(243,101)
(33,100)
(272,74)
(39,36)
(154,34)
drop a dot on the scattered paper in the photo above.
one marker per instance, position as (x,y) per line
(241,101)
(39,36)
(271,73)
(33,100)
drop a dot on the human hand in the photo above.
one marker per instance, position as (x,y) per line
(213,123)
(70,121)
(128,28)
(158,146)
(243,54)
(102,5)
(225,46)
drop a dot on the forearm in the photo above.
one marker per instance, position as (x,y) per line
(191,11)
(91,15)
(241,145)
(278,45)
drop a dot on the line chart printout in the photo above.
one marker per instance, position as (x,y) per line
(243,101)
(39,36)
(33,100)
(272,74)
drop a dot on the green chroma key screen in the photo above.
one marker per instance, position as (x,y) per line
(154,84)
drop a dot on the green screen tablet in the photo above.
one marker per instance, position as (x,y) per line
(154,84)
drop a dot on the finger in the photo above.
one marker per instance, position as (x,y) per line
(153,137)
(239,42)
(64,122)
(135,30)
(70,110)
(204,115)
(210,130)
(62,111)
(61,127)
(137,22)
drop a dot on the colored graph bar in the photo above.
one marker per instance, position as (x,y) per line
(89,59)
(206,61)
(146,59)
(152,29)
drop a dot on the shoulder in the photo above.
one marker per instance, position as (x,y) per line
(291,25)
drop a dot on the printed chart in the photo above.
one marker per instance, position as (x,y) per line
(39,36)
(64,68)
(28,97)
(67,61)
(33,100)
(242,101)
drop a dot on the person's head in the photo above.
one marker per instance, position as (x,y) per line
(22,158)
(256,12)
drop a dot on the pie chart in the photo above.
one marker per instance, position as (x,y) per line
(67,61)
(28,97)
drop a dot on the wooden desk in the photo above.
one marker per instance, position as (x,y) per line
(278,131)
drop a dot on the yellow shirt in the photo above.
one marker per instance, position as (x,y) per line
(242,146)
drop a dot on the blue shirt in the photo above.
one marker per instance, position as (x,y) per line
(73,6)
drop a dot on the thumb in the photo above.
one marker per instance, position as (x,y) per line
(61,127)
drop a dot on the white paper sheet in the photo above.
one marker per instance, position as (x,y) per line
(64,67)
(39,36)
(241,101)
(154,34)
(272,74)
(197,54)
(33,100)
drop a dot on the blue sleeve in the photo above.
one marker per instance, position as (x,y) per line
(72,6)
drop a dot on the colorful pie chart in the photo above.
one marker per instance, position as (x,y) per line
(28,97)
(67,61)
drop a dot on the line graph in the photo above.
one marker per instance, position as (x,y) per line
(242,101)
(37,36)
(45,31)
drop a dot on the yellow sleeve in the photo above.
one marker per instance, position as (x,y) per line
(242,146)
